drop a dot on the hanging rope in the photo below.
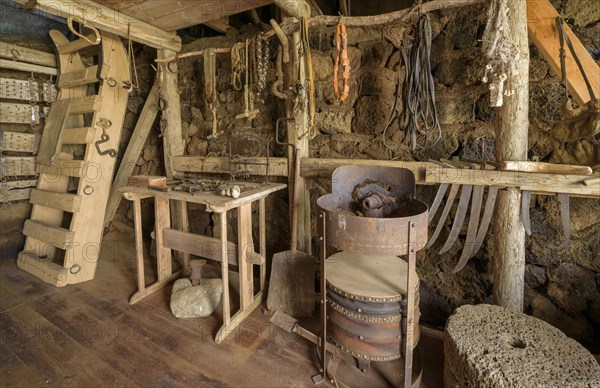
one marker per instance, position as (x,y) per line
(131,60)
(419,114)
(501,52)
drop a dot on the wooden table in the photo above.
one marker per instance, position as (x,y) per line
(220,249)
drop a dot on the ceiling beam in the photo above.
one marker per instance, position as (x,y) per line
(220,25)
(110,20)
(295,8)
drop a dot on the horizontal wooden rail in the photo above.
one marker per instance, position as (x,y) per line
(425,173)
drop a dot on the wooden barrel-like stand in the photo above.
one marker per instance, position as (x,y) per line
(366,305)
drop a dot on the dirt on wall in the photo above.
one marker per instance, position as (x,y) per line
(562,286)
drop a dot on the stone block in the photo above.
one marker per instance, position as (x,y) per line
(455,111)
(372,113)
(189,301)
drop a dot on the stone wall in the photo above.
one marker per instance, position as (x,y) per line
(561,286)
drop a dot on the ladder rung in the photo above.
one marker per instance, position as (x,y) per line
(62,201)
(42,268)
(78,77)
(84,104)
(59,237)
(83,135)
(76,45)
(72,168)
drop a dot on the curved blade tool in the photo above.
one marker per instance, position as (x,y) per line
(437,201)
(445,212)
(476,203)
(459,218)
(564,216)
(488,212)
(525,218)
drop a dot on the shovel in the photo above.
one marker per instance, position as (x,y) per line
(291,288)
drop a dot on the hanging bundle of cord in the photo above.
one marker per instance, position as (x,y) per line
(501,52)
(419,115)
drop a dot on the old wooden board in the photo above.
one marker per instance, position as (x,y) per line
(16,190)
(19,142)
(220,165)
(112,21)
(17,89)
(541,26)
(12,112)
(17,166)
(23,54)
(26,67)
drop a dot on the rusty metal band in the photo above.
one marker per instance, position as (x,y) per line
(363,356)
(459,218)
(363,317)
(364,298)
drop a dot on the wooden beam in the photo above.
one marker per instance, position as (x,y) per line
(512,126)
(220,25)
(426,173)
(220,165)
(27,67)
(295,8)
(109,20)
(541,25)
(24,54)
(375,20)
(173,136)
(132,153)
(17,166)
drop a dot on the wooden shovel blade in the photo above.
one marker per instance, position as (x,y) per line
(525,217)
(488,212)
(436,202)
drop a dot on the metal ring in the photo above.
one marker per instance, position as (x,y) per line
(169,66)
(161,104)
(75,269)
(88,190)
(111,82)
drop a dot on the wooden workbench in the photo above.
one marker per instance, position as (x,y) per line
(220,249)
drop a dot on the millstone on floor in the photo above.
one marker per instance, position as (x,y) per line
(492,346)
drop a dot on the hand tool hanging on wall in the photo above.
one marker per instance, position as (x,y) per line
(249,111)
(563,198)
(477,227)
(341,47)
(419,119)
(210,89)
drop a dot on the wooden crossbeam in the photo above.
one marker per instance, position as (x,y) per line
(109,20)
(23,54)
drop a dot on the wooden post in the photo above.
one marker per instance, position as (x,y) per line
(512,126)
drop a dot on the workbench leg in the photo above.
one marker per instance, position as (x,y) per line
(262,217)
(224,268)
(245,246)
(163,255)
(139,243)
(185,227)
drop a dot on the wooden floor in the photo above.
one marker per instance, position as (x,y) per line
(88,335)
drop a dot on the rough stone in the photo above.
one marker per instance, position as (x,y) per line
(135,104)
(573,326)
(582,12)
(189,301)
(434,308)
(372,114)
(376,54)
(13,215)
(322,65)
(455,111)
(378,81)
(462,31)
(572,287)
(492,346)
(535,276)
(150,153)
(333,121)
(356,35)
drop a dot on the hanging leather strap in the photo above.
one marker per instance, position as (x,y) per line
(341,45)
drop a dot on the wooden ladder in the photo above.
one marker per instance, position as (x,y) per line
(65,229)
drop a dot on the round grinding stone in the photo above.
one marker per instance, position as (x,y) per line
(492,346)
(382,277)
